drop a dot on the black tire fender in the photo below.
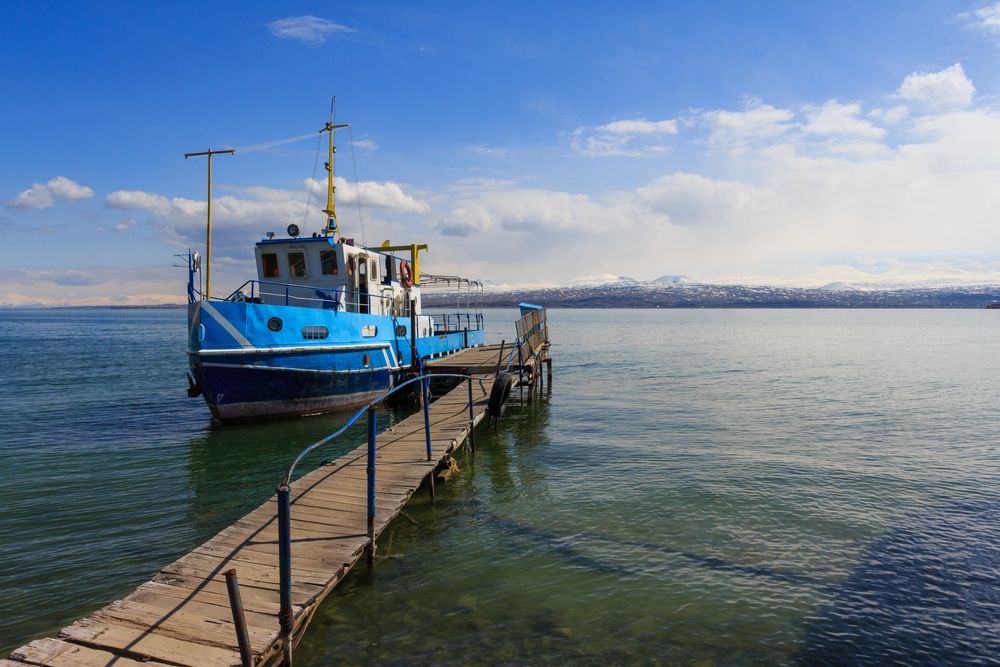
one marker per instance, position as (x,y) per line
(500,393)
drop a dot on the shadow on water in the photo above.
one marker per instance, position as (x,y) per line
(927,593)
(234,468)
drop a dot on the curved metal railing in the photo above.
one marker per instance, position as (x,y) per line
(286,614)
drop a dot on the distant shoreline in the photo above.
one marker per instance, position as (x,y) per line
(632,295)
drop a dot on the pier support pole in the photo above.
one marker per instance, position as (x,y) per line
(285,615)
(520,372)
(239,619)
(472,420)
(372,434)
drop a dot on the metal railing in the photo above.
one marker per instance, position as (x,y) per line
(455,322)
(309,296)
(284,491)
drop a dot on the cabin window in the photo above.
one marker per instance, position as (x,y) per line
(315,332)
(270,263)
(388,269)
(297,264)
(328,262)
(374,275)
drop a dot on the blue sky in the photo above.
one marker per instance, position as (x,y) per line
(782,142)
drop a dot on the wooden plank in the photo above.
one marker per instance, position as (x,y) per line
(190,628)
(190,577)
(58,653)
(143,643)
(261,605)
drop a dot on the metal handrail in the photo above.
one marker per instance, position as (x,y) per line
(286,614)
(354,418)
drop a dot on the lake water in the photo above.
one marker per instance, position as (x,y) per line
(700,487)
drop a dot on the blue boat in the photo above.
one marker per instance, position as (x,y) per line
(326,324)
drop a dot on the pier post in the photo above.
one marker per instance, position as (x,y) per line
(472,418)
(520,371)
(372,433)
(239,619)
(285,615)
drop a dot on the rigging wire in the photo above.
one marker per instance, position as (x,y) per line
(309,185)
(357,187)
(273,144)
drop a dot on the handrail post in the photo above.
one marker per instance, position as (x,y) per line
(372,434)
(285,615)
(239,619)
(427,413)
(472,420)
(286,294)
(424,382)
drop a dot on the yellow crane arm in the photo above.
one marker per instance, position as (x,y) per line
(414,250)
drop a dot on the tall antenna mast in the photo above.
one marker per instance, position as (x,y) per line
(331,207)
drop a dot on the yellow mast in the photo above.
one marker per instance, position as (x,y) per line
(331,209)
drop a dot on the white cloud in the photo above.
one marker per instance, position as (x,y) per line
(757,122)
(949,88)
(890,116)
(387,196)
(985,19)
(640,126)
(366,144)
(692,199)
(238,221)
(624,138)
(309,30)
(44,195)
(833,118)
(488,151)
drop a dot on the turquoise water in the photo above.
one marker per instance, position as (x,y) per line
(701,487)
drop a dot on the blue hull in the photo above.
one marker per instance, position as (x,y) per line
(247,366)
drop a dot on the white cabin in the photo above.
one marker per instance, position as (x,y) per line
(319,272)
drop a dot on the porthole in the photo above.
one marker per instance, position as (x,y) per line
(274,324)
(366,360)
(315,332)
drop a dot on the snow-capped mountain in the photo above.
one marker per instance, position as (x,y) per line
(672,291)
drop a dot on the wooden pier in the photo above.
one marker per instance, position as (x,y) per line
(183,615)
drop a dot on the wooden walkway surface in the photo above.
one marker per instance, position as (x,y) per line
(182,616)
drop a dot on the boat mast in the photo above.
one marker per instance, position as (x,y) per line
(208,227)
(331,209)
